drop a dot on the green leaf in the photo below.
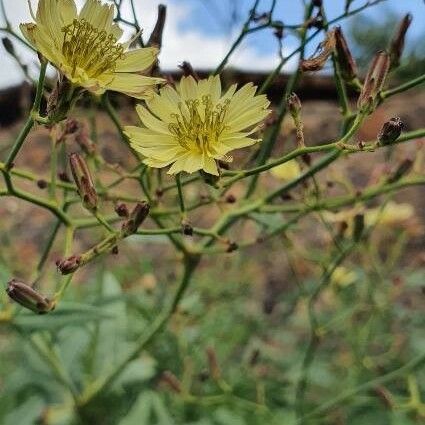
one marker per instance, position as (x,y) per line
(67,314)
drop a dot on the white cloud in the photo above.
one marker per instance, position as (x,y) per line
(202,50)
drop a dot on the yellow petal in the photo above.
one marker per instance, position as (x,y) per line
(287,171)
(151,122)
(147,138)
(99,15)
(188,88)
(132,84)
(137,60)
(210,166)
(48,16)
(68,11)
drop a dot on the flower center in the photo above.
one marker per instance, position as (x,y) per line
(199,125)
(89,49)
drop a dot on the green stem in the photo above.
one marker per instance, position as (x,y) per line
(270,139)
(313,342)
(30,120)
(413,364)
(181,197)
(403,87)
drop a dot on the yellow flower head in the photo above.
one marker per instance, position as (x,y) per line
(84,47)
(195,125)
(287,171)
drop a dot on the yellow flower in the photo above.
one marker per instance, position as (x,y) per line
(287,171)
(392,214)
(342,277)
(195,125)
(84,47)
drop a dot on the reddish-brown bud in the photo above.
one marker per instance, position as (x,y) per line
(63,177)
(187,228)
(188,71)
(69,265)
(8,46)
(230,198)
(122,210)
(155,40)
(137,217)
(404,167)
(232,246)
(84,181)
(172,381)
(374,81)
(345,59)
(27,297)
(397,43)
(42,184)
(213,363)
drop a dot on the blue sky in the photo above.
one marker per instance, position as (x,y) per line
(215,16)
(201,31)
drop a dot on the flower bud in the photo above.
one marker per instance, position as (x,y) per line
(345,59)
(188,70)
(374,81)
(8,46)
(187,228)
(213,363)
(404,167)
(137,217)
(358,227)
(397,43)
(61,100)
(172,381)
(390,131)
(155,40)
(69,265)
(294,106)
(231,246)
(278,27)
(122,210)
(27,297)
(42,184)
(83,180)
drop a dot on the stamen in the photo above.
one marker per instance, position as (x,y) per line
(88,49)
(199,125)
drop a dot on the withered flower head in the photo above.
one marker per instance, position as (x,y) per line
(316,63)
(137,217)
(374,81)
(27,297)
(84,181)
(390,131)
(345,59)
(397,43)
(69,265)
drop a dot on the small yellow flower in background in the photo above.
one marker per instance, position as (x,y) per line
(84,47)
(287,171)
(343,277)
(392,214)
(195,125)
